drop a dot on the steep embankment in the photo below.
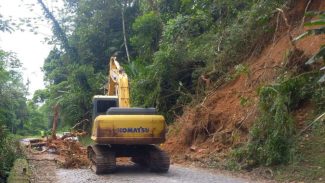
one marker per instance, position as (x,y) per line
(223,119)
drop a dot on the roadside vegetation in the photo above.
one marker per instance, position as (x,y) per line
(18,117)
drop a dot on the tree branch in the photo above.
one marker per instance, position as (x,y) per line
(58,31)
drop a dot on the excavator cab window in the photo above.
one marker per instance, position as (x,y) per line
(101,105)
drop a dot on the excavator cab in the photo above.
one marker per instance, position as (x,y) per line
(102,103)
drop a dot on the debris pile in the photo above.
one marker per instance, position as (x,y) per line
(73,153)
(66,150)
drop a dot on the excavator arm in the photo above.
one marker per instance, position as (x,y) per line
(118,83)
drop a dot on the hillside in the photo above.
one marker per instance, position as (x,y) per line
(208,131)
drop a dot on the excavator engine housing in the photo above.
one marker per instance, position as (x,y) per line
(114,125)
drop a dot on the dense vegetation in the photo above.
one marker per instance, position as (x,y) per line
(17,116)
(13,108)
(172,44)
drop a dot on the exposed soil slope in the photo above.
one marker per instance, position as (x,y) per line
(224,117)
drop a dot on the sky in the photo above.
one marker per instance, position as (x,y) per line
(30,49)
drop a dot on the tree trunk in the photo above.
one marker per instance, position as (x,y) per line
(124,33)
(55,120)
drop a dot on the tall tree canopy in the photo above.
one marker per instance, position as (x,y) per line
(171,45)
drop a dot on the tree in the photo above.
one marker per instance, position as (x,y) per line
(123,6)
(147,31)
(58,31)
(98,34)
(13,109)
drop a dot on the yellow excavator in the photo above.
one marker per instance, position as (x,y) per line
(122,131)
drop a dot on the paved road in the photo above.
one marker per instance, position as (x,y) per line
(133,173)
(44,170)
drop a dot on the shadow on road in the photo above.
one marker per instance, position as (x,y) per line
(121,169)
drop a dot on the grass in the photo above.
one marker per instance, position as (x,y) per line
(309,166)
(20,172)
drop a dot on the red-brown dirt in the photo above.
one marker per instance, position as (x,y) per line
(73,153)
(223,119)
(68,153)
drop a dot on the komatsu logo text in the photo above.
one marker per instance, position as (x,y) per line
(132,130)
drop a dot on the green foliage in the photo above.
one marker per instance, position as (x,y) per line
(162,83)
(240,37)
(173,43)
(320,22)
(318,98)
(14,113)
(16,175)
(96,35)
(147,29)
(241,69)
(85,140)
(168,9)
(244,101)
(13,110)
(12,106)
(310,152)
(73,94)
(272,135)
(273,139)
(8,152)
(196,43)
(16,117)
(184,26)
(36,120)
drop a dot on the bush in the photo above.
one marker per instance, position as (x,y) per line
(8,153)
(273,136)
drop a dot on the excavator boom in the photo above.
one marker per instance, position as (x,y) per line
(118,83)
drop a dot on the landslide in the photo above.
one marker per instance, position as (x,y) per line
(211,128)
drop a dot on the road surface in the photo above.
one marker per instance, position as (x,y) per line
(136,174)
(44,169)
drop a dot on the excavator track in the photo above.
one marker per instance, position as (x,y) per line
(159,160)
(154,158)
(102,159)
